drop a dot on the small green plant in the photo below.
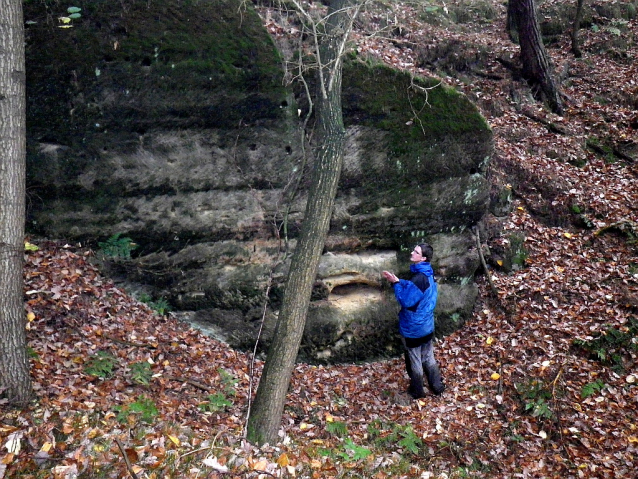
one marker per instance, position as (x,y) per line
(347,451)
(338,428)
(117,247)
(612,345)
(592,388)
(144,409)
(408,439)
(73,13)
(353,452)
(518,251)
(228,380)
(141,372)
(161,306)
(100,365)
(536,396)
(394,434)
(220,400)
(32,353)
(216,402)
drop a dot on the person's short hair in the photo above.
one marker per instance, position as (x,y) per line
(426,250)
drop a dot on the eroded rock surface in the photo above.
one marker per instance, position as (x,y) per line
(140,123)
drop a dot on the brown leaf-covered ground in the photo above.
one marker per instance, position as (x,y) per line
(523,398)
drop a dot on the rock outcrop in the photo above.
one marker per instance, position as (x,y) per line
(168,123)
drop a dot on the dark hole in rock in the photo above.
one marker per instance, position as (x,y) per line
(353,288)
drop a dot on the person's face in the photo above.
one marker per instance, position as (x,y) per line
(417,255)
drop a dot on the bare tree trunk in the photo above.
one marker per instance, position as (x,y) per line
(579,17)
(265,416)
(15,382)
(534,58)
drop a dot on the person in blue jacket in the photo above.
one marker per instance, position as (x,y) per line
(417,298)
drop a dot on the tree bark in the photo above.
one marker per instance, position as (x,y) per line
(579,17)
(536,65)
(265,416)
(15,381)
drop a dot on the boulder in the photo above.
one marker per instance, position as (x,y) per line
(168,124)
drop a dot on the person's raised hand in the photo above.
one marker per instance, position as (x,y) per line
(391,277)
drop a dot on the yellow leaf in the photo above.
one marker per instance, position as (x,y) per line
(283,460)
(30,317)
(64,19)
(174,440)
(329,417)
(520,208)
(499,262)
(568,235)
(632,439)
(303,426)
(30,247)
(421,403)
(495,376)
(260,465)
(46,447)
(489,340)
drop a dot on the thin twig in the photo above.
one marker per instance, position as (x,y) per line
(192,382)
(483,263)
(128,463)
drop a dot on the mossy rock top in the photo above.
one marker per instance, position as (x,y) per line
(130,67)
(432,130)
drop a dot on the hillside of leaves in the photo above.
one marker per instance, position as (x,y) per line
(542,382)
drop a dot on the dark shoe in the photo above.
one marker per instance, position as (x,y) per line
(416,388)
(416,395)
(439,391)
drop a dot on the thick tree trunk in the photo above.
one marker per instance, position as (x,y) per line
(579,17)
(265,416)
(15,382)
(534,58)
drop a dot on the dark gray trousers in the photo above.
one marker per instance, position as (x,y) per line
(419,361)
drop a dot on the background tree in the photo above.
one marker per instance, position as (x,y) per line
(576,27)
(536,64)
(15,382)
(330,37)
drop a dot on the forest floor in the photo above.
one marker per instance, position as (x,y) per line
(541,382)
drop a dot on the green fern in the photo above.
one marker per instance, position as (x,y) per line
(100,365)
(117,247)
(592,388)
(337,428)
(141,372)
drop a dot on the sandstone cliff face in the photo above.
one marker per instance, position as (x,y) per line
(169,124)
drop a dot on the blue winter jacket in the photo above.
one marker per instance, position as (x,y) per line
(416,318)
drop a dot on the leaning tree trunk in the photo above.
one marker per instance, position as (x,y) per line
(534,58)
(579,17)
(265,416)
(15,382)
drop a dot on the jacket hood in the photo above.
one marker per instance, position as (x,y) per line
(423,267)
